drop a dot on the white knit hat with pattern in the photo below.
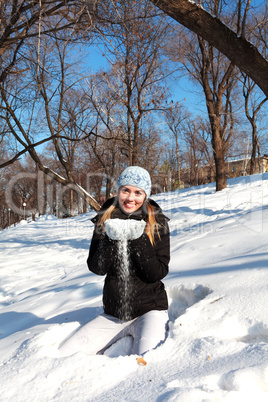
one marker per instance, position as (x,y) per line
(135,176)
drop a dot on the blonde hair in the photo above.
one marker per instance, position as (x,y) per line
(151,225)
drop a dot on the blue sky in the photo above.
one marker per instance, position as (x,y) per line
(182,89)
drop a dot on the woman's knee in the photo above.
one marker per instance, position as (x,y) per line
(149,331)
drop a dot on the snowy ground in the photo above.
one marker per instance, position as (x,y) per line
(217,349)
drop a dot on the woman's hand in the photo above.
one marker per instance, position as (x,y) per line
(124,229)
(136,229)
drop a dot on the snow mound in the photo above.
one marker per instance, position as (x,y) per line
(250,382)
(257,333)
(181,297)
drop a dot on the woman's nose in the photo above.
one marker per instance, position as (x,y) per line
(130,196)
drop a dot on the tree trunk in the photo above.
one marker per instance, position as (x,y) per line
(220,165)
(254,148)
(135,143)
(108,187)
(178,160)
(71,203)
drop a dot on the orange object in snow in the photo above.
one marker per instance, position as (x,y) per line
(141,361)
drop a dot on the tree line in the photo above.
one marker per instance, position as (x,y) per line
(66,133)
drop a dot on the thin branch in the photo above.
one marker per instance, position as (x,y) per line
(36,144)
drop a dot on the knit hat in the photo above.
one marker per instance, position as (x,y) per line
(137,177)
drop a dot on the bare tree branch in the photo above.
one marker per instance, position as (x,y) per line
(239,51)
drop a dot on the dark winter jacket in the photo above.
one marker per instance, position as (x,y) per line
(147,265)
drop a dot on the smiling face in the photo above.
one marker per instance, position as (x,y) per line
(130,198)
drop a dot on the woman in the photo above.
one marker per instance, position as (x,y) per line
(130,245)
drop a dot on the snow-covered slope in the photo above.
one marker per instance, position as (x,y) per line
(217,348)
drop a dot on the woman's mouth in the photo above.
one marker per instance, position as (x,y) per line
(129,205)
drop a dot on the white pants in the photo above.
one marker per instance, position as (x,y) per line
(147,331)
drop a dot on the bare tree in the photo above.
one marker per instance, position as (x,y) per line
(29,66)
(175,117)
(22,20)
(26,78)
(192,137)
(253,106)
(109,159)
(217,77)
(107,144)
(206,164)
(254,101)
(136,40)
(43,104)
(210,27)
(217,90)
